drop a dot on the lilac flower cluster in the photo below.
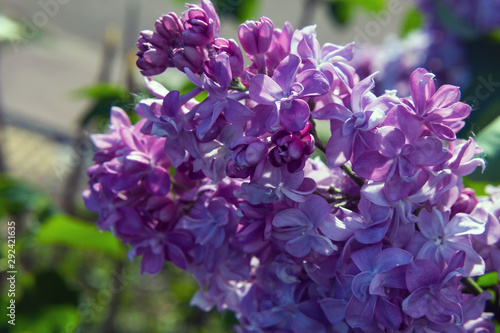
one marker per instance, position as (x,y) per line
(377,239)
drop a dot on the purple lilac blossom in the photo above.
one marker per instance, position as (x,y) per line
(377,239)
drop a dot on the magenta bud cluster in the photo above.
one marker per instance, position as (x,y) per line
(372,230)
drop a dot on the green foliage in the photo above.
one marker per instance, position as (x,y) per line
(478,186)
(412,21)
(342,11)
(245,10)
(488,280)
(105,96)
(10,30)
(70,231)
(373,5)
(489,140)
(17,197)
(48,320)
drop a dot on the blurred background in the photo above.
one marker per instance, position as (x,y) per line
(64,63)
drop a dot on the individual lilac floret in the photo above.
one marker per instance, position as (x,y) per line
(352,129)
(330,59)
(435,294)
(397,161)
(207,222)
(306,228)
(380,270)
(283,92)
(220,101)
(249,158)
(292,149)
(440,112)
(440,238)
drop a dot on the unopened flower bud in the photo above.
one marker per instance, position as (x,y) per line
(256,36)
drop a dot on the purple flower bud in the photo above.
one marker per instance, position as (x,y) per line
(189,57)
(249,158)
(155,48)
(152,59)
(292,148)
(465,203)
(256,36)
(235,57)
(200,27)
(170,28)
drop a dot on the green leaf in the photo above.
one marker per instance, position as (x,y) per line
(62,318)
(105,96)
(17,197)
(373,5)
(101,91)
(412,21)
(241,10)
(489,140)
(70,231)
(488,280)
(10,30)
(340,11)
(477,186)
(246,10)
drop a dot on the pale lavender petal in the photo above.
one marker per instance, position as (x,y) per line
(444,97)
(119,117)
(390,140)
(361,92)
(264,90)
(422,88)
(315,83)
(339,148)
(428,151)
(155,88)
(374,166)
(417,304)
(290,218)
(388,314)
(390,258)
(431,224)
(285,73)
(421,273)
(299,247)
(360,313)
(158,181)
(443,132)
(334,309)
(407,122)
(464,224)
(322,245)
(294,117)
(237,113)
(316,209)
(332,111)
(365,258)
